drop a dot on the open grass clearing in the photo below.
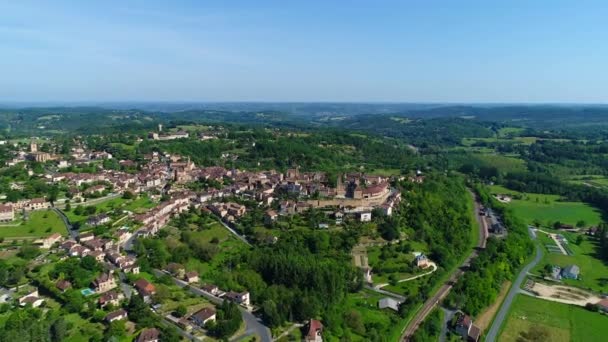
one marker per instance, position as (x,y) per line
(40,223)
(549,208)
(565,323)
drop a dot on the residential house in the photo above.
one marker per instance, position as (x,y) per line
(149,335)
(365,216)
(421,261)
(466,329)
(49,241)
(602,305)
(239,297)
(105,282)
(212,289)
(117,315)
(98,255)
(85,237)
(63,285)
(571,272)
(203,316)
(98,220)
(32,298)
(314,332)
(270,217)
(177,270)
(556,272)
(7,213)
(145,289)
(389,303)
(191,277)
(111,297)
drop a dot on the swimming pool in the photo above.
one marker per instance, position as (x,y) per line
(87,292)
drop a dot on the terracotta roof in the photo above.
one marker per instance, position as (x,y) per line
(314,327)
(115,314)
(145,286)
(147,335)
(63,285)
(204,314)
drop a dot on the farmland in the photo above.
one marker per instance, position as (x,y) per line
(549,209)
(565,323)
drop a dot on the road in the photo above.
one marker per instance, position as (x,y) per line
(73,233)
(492,334)
(60,203)
(444,290)
(252,324)
(238,236)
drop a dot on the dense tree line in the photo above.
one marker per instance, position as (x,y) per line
(494,265)
(438,212)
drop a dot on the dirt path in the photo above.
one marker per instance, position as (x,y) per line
(432,265)
(557,242)
(562,294)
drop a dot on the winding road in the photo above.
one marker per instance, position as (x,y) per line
(492,334)
(444,290)
(253,326)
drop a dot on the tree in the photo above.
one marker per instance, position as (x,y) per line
(181,311)
(74,301)
(58,330)
(115,331)
(271,313)
(581,224)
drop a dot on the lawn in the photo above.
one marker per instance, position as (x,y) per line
(548,208)
(565,323)
(392,262)
(228,246)
(598,181)
(366,304)
(594,272)
(40,223)
(81,329)
(137,205)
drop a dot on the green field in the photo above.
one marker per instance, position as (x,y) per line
(565,323)
(137,205)
(366,304)
(40,223)
(548,208)
(597,181)
(399,263)
(594,272)
(81,329)
(228,246)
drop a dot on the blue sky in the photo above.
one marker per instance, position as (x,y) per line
(398,51)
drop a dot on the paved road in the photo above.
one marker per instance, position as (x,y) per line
(252,324)
(444,290)
(515,289)
(238,236)
(447,317)
(73,233)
